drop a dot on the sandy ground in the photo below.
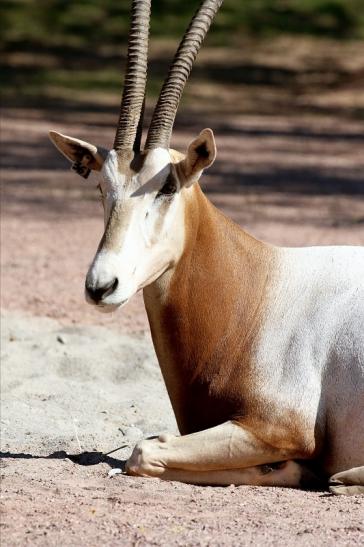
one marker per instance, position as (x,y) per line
(77,385)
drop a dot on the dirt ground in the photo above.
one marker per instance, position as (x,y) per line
(77,384)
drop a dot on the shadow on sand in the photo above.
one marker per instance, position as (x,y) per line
(85,458)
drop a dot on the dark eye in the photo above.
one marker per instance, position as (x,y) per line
(169,187)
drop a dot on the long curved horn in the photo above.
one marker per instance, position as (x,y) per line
(127,134)
(160,129)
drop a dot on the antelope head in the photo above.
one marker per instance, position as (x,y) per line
(143,191)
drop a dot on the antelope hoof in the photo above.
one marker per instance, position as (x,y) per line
(348,483)
(340,489)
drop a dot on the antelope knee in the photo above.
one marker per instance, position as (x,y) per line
(141,462)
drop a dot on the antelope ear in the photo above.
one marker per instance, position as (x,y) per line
(201,154)
(83,155)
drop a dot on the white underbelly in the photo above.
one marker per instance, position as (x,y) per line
(311,350)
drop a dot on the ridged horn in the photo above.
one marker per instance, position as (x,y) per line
(129,126)
(160,129)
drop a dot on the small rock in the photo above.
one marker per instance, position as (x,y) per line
(115,471)
(61,339)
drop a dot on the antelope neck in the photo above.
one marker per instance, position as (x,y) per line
(206,316)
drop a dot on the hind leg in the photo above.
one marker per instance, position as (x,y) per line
(348,483)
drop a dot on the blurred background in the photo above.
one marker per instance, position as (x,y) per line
(56,50)
(281,83)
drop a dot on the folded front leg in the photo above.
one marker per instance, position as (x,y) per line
(226,454)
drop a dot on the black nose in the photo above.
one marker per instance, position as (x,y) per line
(97,293)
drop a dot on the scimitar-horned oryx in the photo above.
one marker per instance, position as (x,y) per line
(261,348)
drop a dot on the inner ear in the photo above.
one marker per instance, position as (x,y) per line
(202,151)
(83,155)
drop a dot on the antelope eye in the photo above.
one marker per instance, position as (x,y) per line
(169,187)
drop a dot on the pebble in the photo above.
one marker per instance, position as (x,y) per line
(61,339)
(115,471)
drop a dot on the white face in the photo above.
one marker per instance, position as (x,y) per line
(143,229)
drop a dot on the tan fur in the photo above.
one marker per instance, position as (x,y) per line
(205,345)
